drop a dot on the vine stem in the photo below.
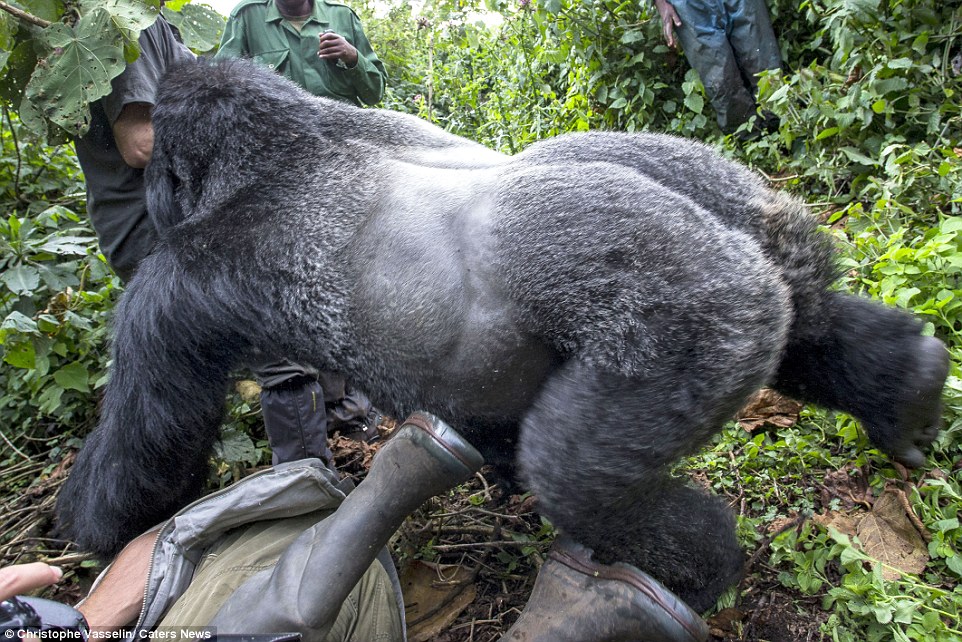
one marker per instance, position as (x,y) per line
(23,15)
(16,147)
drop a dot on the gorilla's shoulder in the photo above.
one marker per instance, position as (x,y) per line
(223,84)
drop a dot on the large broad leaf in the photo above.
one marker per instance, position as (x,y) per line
(20,64)
(22,279)
(199,25)
(21,354)
(128,16)
(77,72)
(19,322)
(73,376)
(67,245)
(235,447)
(49,10)
(81,64)
(8,32)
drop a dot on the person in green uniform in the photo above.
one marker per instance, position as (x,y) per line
(319,44)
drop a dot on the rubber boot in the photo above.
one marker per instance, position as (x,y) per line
(578,600)
(314,576)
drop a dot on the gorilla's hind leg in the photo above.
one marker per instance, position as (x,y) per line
(596,449)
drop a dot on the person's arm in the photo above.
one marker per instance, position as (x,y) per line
(21,578)
(128,106)
(134,134)
(669,20)
(117,598)
(367,74)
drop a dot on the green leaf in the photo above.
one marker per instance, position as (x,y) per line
(77,321)
(780,93)
(19,65)
(50,399)
(883,614)
(825,133)
(8,30)
(849,555)
(899,63)
(22,279)
(199,26)
(553,6)
(951,224)
(695,102)
(236,447)
(20,323)
(49,10)
(73,376)
(67,245)
(129,17)
(857,156)
(954,563)
(945,525)
(82,61)
(21,354)
(904,611)
(905,295)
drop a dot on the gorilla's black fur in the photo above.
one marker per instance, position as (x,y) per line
(607,299)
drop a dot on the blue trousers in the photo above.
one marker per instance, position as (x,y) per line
(728,42)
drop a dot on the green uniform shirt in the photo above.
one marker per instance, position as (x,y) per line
(256,29)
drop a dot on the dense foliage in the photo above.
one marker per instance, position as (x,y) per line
(869,135)
(58,56)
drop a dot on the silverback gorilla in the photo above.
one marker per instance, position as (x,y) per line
(597,305)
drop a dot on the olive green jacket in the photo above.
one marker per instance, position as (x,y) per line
(256,29)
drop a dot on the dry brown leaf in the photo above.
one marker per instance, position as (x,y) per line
(434,596)
(352,454)
(248,390)
(847,485)
(767,407)
(887,534)
(842,522)
(726,622)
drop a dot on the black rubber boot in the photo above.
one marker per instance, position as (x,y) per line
(576,599)
(296,421)
(306,588)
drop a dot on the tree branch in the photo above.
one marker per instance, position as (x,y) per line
(23,15)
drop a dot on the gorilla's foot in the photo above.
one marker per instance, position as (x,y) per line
(316,573)
(576,599)
(920,404)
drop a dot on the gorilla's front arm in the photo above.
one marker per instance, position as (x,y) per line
(605,300)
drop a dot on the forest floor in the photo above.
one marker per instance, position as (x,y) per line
(467,560)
